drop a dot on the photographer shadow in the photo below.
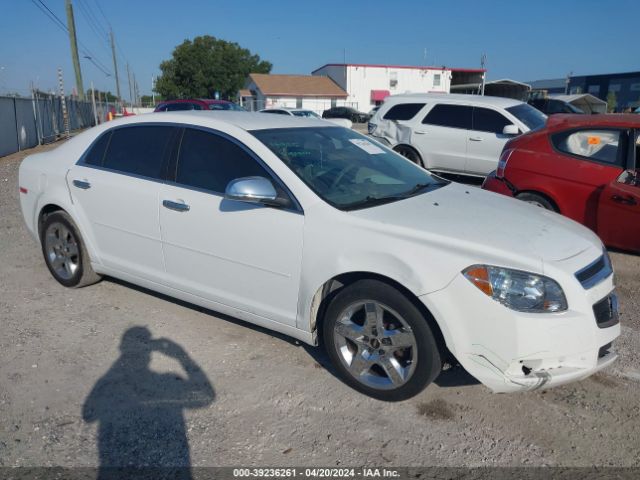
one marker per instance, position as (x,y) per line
(142,431)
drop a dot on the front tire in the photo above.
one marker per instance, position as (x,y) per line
(65,253)
(379,342)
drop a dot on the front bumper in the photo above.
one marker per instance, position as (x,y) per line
(512,351)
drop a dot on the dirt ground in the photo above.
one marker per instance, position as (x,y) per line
(221,392)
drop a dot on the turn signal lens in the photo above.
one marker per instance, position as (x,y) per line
(479,276)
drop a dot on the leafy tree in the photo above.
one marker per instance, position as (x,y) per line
(612,102)
(147,100)
(206,65)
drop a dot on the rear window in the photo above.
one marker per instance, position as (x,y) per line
(176,107)
(604,146)
(404,111)
(453,116)
(531,117)
(138,150)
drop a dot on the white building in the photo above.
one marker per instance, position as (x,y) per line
(368,85)
(294,91)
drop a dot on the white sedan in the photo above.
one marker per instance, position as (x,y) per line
(317,232)
(304,113)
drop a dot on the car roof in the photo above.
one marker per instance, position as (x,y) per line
(212,118)
(563,121)
(453,98)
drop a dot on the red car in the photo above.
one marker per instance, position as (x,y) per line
(586,167)
(197,104)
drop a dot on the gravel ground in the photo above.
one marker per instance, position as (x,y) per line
(221,392)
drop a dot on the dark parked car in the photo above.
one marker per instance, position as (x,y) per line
(550,106)
(346,112)
(196,104)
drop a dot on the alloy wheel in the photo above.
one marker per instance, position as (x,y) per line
(376,345)
(61,250)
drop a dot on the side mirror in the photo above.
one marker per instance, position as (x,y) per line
(510,130)
(255,190)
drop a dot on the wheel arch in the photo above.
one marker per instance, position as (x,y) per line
(327,291)
(411,147)
(545,195)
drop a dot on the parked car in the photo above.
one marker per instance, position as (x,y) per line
(301,112)
(346,112)
(551,106)
(582,166)
(314,230)
(452,133)
(197,104)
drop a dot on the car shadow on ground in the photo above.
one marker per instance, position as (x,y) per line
(140,413)
(454,376)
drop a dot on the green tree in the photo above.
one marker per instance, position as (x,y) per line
(612,102)
(147,100)
(100,95)
(206,65)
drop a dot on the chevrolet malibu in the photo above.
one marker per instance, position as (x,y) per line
(317,232)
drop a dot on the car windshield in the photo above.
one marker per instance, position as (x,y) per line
(305,113)
(531,117)
(346,169)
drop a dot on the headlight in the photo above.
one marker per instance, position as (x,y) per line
(518,290)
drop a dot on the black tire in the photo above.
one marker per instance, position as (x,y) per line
(354,118)
(537,200)
(422,366)
(60,230)
(410,154)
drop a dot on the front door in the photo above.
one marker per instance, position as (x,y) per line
(619,212)
(115,188)
(441,137)
(486,141)
(239,255)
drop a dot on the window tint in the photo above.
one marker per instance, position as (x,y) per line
(528,115)
(605,146)
(210,161)
(455,116)
(486,120)
(175,107)
(139,150)
(404,111)
(276,112)
(95,155)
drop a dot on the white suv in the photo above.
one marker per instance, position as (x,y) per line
(452,133)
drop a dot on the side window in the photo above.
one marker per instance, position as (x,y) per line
(139,150)
(454,116)
(403,111)
(487,120)
(210,161)
(604,146)
(162,108)
(95,154)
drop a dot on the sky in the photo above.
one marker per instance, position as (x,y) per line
(522,40)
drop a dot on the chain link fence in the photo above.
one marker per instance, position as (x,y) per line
(28,122)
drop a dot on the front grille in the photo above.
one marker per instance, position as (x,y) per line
(606,311)
(595,272)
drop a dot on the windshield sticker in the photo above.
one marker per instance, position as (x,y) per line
(367,146)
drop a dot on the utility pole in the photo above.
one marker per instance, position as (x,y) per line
(115,65)
(93,103)
(71,24)
(135,90)
(130,89)
(483,61)
(153,90)
(567,82)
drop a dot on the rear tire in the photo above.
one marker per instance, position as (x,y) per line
(537,200)
(65,253)
(379,341)
(410,154)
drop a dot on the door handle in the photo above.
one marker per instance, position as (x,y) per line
(419,132)
(177,206)
(629,200)
(83,184)
(475,139)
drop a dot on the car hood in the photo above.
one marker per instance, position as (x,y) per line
(465,216)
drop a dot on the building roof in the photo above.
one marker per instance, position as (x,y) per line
(297,85)
(244,92)
(548,83)
(413,67)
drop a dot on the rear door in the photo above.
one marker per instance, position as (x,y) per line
(115,189)
(486,140)
(441,137)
